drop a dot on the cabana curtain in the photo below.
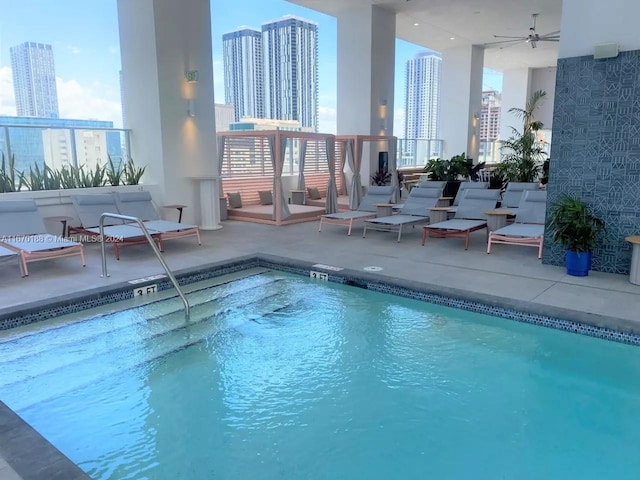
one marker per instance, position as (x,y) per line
(332,190)
(303,154)
(392,147)
(355,195)
(277,160)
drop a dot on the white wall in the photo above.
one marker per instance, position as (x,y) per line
(159,41)
(461,100)
(515,92)
(587,23)
(544,79)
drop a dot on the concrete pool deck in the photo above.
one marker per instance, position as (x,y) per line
(510,275)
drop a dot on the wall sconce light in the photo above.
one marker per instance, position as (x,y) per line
(191,76)
(476,115)
(383,124)
(191,107)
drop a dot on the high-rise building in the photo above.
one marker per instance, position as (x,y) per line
(423,75)
(243,72)
(490,116)
(225,116)
(34,80)
(290,52)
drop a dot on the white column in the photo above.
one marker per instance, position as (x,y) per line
(366,73)
(515,92)
(160,40)
(461,100)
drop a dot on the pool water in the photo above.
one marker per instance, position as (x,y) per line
(282,377)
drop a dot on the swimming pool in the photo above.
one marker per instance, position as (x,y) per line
(278,376)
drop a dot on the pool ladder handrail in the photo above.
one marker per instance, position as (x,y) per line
(152,243)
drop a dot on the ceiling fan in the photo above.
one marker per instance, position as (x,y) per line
(532,39)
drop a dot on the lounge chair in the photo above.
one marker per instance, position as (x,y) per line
(528,228)
(414,211)
(22,231)
(366,209)
(513,194)
(139,204)
(89,209)
(5,253)
(464,186)
(468,218)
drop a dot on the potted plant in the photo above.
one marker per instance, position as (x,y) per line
(572,225)
(448,170)
(524,154)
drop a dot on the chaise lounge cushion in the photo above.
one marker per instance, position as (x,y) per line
(266,198)
(235,201)
(314,193)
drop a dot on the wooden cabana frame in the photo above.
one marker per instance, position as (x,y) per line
(276,150)
(351,148)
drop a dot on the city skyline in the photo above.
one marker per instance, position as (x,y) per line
(87,52)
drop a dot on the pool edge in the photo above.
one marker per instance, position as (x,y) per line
(595,325)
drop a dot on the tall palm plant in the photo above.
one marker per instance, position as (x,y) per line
(523,154)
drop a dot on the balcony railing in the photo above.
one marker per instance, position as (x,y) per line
(55,147)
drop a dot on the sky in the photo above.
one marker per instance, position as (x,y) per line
(84,36)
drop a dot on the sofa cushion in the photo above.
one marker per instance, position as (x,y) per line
(235,201)
(265,197)
(314,193)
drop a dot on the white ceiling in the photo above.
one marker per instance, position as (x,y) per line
(468,22)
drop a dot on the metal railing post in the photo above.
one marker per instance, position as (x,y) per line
(153,246)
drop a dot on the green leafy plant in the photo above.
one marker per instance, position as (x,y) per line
(523,153)
(10,179)
(114,172)
(572,225)
(381,177)
(132,173)
(441,169)
(69,177)
(92,178)
(34,180)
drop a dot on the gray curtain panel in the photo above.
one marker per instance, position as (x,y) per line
(393,167)
(332,190)
(343,163)
(302,153)
(277,161)
(355,160)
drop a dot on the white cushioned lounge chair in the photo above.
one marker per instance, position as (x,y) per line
(366,209)
(528,228)
(468,218)
(22,231)
(139,204)
(89,209)
(414,211)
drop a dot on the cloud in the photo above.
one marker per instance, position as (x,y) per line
(82,102)
(74,100)
(327,120)
(73,49)
(7,100)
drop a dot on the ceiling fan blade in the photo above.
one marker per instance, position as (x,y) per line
(548,40)
(513,45)
(551,34)
(509,36)
(505,41)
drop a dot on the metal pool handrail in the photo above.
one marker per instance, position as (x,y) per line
(153,246)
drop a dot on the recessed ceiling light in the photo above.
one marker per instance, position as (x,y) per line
(452,38)
(416,24)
